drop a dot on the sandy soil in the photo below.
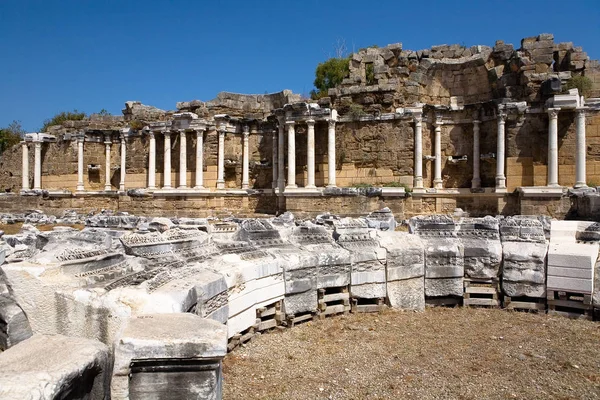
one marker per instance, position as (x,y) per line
(441,353)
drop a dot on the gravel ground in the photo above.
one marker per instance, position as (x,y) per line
(441,353)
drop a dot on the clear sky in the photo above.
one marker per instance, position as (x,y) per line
(60,55)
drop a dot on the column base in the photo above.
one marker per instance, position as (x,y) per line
(181,187)
(291,187)
(580,185)
(245,186)
(475,183)
(167,187)
(80,189)
(220,185)
(122,188)
(500,190)
(333,185)
(107,188)
(310,187)
(438,184)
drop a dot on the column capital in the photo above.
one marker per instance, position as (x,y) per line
(501,116)
(476,122)
(438,120)
(166,133)
(418,117)
(290,123)
(310,121)
(246,130)
(553,112)
(581,110)
(331,123)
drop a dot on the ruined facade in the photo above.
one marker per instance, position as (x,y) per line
(491,130)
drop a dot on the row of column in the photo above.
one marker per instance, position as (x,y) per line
(580,156)
(279,160)
(182,184)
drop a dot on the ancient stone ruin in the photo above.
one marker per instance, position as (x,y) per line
(447,176)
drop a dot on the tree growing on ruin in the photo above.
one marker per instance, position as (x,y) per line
(11,135)
(63,116)
(330,73)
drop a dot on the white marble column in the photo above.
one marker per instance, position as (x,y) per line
(418,167)
(281,156)
(182,160)
(80,140)
(331,153)
(500,153)
(245,158)
(310,154)
(476,181)
(25,180)
(274,158)
(123,162)
(167,161)
(107,144)
(221,159)
(152,162)
(553,146)
(580,148)
(291,181)
(437,177)
(199,159)
(37,172)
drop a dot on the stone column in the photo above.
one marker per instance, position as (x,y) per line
(310,154)
(281,156)
(476,181)
(418,170)
(37,172)
(291,184)
(107,143)
(152,162)
(580,175)
(500,156)
(25,180)
(245,159)
(437,180)
(331,153)
(80,186)
(167,161)
(123,158)
(199,159)
(553,147)
(221,159)
(182,160)
(274,158)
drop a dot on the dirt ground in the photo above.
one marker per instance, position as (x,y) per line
(441,353)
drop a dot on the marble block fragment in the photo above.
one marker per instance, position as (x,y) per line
(175,356)
(14,326)
(442,287)
(407,294)
(55,367)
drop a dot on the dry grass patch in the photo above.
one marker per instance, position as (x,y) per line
(439,354)
(13,229)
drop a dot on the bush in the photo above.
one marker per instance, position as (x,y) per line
(61,117)
(356,111)
(580,82)
(136,125)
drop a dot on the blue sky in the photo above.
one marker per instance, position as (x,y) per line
(60,55)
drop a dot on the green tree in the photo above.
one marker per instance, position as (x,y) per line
(329,74)
(11,135)
(61,117)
